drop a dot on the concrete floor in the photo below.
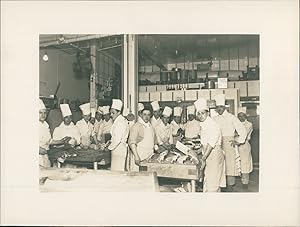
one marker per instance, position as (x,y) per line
(168,185)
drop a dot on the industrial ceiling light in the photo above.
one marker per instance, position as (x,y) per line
(45,57)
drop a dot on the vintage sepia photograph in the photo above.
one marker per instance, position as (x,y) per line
(149,112)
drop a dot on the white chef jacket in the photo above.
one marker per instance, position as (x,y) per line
(86,129)
(44,134)
(97,126)
(192,129)
(119,132)
(154,122)
(164,133)
(228,124)
(210,133)
(174,127)
(104,128)
(66,130)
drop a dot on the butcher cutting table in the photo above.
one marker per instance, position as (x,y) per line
(177,171)
(88,156)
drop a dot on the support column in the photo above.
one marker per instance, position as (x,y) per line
(93,77)
(130,73)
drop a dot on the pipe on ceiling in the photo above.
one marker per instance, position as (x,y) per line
(72,40)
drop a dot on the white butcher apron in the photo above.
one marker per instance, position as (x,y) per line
(246,157)
(214,172)
(118,157)
(230,156)
(144,148)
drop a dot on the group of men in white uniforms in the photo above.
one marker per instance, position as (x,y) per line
(224,137)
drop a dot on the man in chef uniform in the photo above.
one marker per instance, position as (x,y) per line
(155,120)
(67,127)
(140,109)
(45,139)
(119,136)
(86,129)
(177,128)
(213,157)
(229,124)
(141,140)
(105,125)
(192,127)
(245,149)
(163,130)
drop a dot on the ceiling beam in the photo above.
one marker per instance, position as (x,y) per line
(73,40)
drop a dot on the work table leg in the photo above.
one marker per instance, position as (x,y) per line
(193,184)
(95,165)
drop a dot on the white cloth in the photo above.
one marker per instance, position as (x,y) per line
(201,104)
(167,111)
(65,110)
(214,172)
(228,124)
(44,135)
(85,108)
(117,104)
(245,150)
(155,106)
(104,128)
(119,135)
(67,130)
(41,105)
(86,130)
(164,133)
(192,129)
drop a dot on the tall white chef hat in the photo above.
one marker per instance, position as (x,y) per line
(99,110)
(93,112)
(167,111)
(201,104)
(177,111)
(117,104)
(191,110)
(65,110)
(41,105)
(105,110)
(155,106)
(242,109)
(85,108)
(140,106)
(125,112)
(220,100)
